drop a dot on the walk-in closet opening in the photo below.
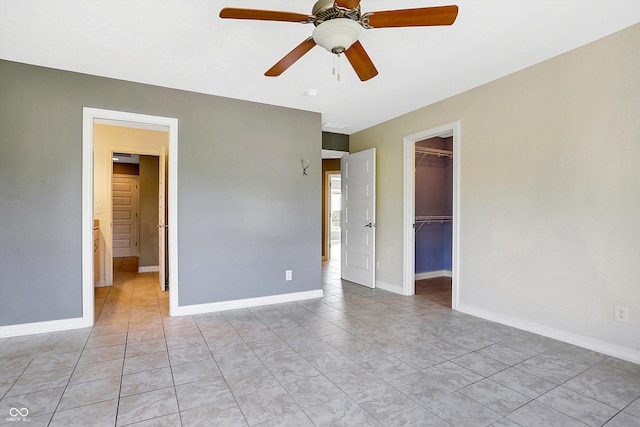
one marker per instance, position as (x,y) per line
(434,218)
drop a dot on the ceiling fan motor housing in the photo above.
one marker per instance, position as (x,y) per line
(326,10)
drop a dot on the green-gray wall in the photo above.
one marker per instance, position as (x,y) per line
(242,220)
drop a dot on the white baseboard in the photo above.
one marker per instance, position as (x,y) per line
(558,334)
(149,269)
(432,274)
(100,284)
(41,327)
(396,289)
(246,303)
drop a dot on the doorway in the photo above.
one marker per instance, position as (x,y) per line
(137,194)
(334,229)
(96,195)
(413,222)
(144,151)
(433,186)
(330,168)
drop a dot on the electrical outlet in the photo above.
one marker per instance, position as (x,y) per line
(622,314)
(288,275)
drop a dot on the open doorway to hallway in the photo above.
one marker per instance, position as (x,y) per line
(138,189)
(136,197)
(129,195)
(97,161)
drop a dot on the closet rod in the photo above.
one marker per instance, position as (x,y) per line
(421,220)
(434,152)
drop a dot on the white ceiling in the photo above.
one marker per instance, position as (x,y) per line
(183,44)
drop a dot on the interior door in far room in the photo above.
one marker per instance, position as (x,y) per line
(358,217)
(125,216)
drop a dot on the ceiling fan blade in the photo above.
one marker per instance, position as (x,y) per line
(348,4)
(427,16)
(290,58)
(361,62)
(262,15)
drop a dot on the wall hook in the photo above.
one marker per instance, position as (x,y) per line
(304,168)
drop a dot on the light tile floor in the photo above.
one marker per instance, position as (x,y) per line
(356,357)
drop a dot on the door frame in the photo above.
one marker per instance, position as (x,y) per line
(408,251)
(89,116)
(327,213)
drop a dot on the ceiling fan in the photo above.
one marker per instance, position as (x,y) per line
(338,24)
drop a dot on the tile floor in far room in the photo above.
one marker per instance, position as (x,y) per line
(357,357)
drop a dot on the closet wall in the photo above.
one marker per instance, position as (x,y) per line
(433,205)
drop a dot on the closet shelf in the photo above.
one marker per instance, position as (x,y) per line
(422,152)
(421,220)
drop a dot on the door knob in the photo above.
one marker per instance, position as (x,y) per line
(370,225)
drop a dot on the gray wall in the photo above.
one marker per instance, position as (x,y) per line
(148,204)
(246,213)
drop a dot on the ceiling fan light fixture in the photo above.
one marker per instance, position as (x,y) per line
(337,35)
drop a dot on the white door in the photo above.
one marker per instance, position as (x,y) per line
(162,222)
(125,216)
(358,217)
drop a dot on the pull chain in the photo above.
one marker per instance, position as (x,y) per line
(336,66)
